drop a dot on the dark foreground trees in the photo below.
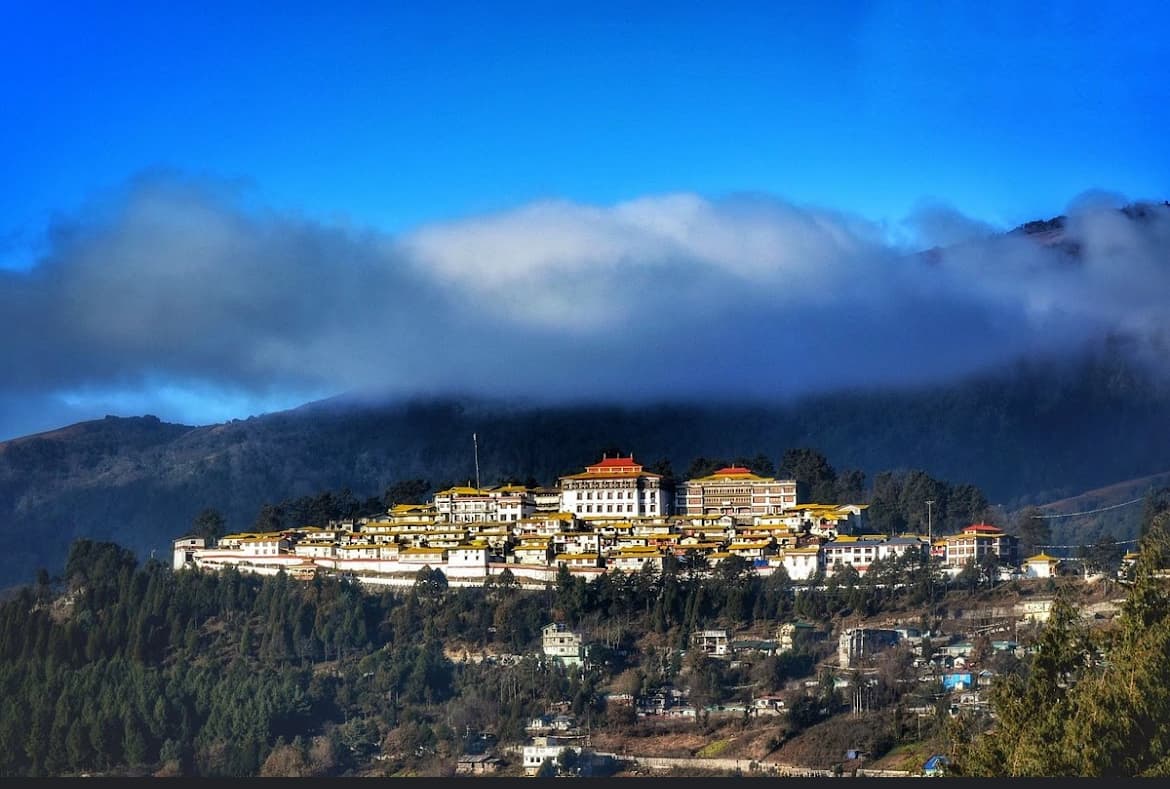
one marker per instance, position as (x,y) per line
(1093,708)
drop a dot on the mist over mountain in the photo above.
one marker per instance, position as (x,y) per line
(1031,433)
(174,296)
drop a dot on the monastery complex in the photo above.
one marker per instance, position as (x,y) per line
(614,515)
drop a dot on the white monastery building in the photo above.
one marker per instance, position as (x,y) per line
(735,490)
(614,488)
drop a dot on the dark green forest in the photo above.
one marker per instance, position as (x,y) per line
(1093,703)
(121,667)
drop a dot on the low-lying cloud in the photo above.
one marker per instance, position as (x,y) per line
(175,283)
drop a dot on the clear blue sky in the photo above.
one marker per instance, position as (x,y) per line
(393,116)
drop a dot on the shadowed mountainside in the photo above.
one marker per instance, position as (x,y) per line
(1036,433)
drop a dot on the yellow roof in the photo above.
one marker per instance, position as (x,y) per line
(1042,557)
(736,477)
(548,516)
(461,491)
(564,557)
(423,550)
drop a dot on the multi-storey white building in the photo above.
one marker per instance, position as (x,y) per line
(977,541)
(614,488)
(508,503)
(735,490)
(546,499)
(802,563)
(186,549)
(542,748)
(712,642)
(561,643)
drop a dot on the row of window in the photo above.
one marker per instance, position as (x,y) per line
(608,508)
(621,494)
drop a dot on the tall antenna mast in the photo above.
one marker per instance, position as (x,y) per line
(475,443)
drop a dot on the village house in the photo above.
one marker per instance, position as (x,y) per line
(767,705)
(423,555)
(634,559)
(791,635)
(532,551)
(751,550)
(575,560)
(358,550)
(468,560)
(846,550)
(507,503)
(802,563)
(712,642)
(546,499)
(1041,566)
(562,644)
(978,541)
(859,644)
(478,764)
(539,749)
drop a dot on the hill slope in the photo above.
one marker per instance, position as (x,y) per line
(1033,434)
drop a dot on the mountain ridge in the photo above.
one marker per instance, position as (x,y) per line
(140,481)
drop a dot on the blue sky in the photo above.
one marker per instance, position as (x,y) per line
(388,118)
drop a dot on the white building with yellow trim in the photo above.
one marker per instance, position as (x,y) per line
(736,491)
(614,488)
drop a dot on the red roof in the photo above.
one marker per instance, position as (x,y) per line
(983,528)
(615,464)
(733,470)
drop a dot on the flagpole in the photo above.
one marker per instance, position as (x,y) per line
(475,442)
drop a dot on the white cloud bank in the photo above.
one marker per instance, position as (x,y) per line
(666,296)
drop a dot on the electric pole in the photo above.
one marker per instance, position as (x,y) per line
(929,552)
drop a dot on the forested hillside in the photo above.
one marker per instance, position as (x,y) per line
(125,667)
(1027,435)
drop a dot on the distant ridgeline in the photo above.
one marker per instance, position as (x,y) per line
(1033,434)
